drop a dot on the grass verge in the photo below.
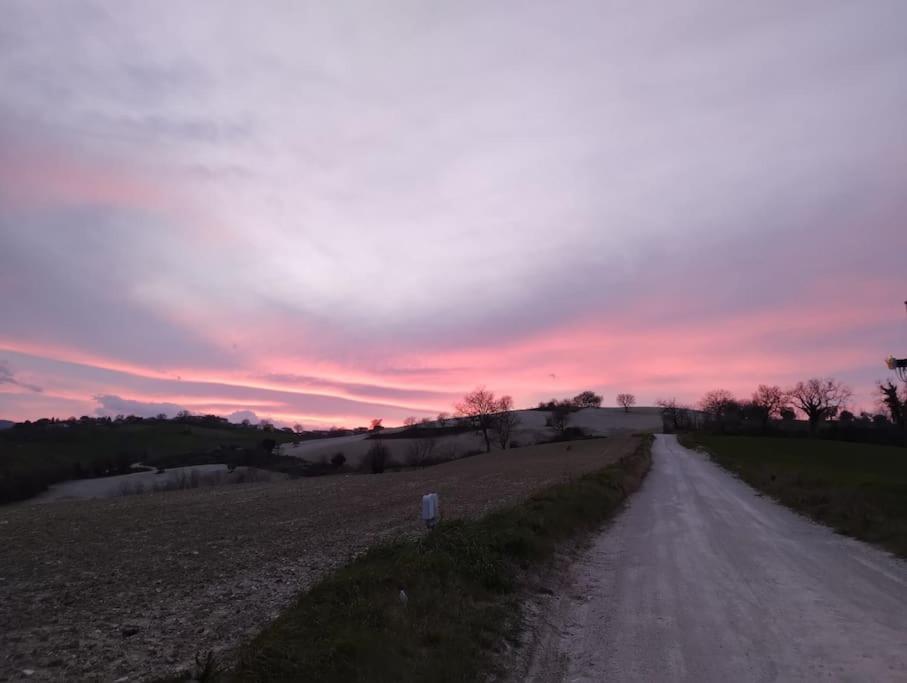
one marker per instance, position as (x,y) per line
(858,489)
(460,581)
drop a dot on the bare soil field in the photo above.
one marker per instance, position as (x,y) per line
(133,588)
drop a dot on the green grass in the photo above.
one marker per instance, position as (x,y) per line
(858,489)
(461,580)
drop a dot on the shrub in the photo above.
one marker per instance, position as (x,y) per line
(377,457)
(337,460)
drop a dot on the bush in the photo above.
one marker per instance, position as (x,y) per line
(377,457)
(337,460)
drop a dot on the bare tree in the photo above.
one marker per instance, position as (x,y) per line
(297,428)
(377,456)
(819,399)
(480,408)
(505,421)
(409,421)
(587,399)
(675,415)
(720,405)
(767,402)
(420,449)
(626,400)
(559,419)
(376,425)
(442,418)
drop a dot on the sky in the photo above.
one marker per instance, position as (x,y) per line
(328,212)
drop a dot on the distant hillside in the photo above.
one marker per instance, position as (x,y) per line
(35,455)
(6,424)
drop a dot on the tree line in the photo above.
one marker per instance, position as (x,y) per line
(819,401)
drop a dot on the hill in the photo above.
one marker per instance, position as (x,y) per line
(34,455)
(6,424)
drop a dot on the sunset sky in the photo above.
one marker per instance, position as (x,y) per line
(326,212)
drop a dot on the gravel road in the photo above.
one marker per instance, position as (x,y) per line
(703,579)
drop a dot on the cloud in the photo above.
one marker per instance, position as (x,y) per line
(7,377)
(240,415)
(110,405)
(357,217)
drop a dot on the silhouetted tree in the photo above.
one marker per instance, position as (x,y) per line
(376,425)
(297,428)
(442,418)
(719,405)
(819,399)
(409,421)
(587,399)
(626,400)
(559,419)
(897,406)
(505,421)
(768,400)
(377,457)
(480,407)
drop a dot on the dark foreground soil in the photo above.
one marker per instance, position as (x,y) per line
(132,588)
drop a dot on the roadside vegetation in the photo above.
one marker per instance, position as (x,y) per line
(858,489)
(814,408)
(436,608)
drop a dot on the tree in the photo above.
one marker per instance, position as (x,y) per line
(587,399)
(505,422)
(409,422)
(896,406)
(626,400)
(377,457)
(376,425)
(680,416)
(268,445)
(767,401)
(560,417)
(480,407)
(819,399)
(719,405)
(297,428)
(787,414)
(421,448)
(443,417)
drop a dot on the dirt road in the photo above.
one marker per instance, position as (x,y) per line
(702,579)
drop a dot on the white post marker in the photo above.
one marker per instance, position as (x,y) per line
(431,509)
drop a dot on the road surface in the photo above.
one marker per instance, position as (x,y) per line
(702,579)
